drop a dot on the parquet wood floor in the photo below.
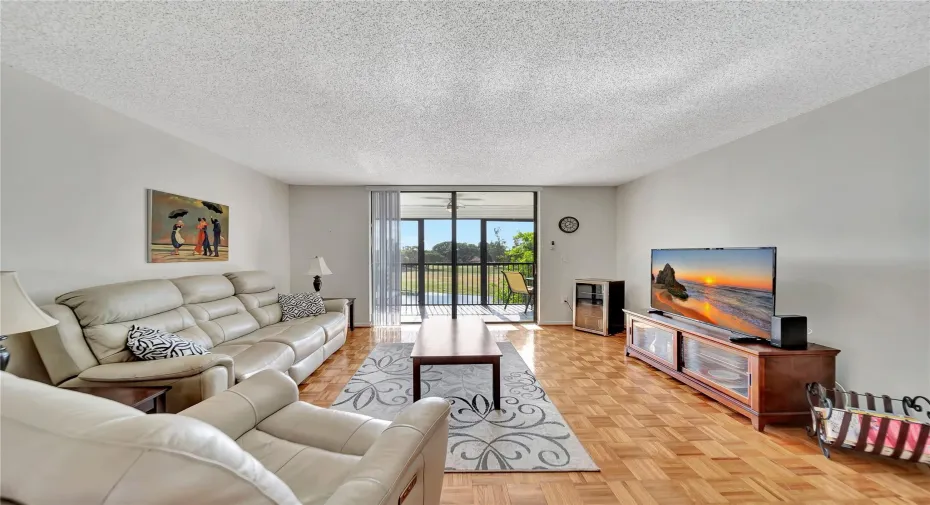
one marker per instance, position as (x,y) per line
(655,440)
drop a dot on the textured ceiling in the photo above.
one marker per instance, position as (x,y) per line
(464,93)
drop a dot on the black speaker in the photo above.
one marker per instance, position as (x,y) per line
(789,332)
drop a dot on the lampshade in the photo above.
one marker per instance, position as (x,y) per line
(318,267)
(18,314)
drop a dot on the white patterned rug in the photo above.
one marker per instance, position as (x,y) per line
(528,434)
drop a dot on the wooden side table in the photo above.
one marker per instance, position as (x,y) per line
(150,400)
(351,309)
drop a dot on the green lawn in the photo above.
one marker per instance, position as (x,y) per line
(438,279)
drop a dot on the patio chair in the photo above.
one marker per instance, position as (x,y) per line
(516,283)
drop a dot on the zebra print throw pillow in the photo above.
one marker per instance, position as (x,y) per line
(149,343)
(300,305)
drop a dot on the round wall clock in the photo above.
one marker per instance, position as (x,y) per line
(568,224)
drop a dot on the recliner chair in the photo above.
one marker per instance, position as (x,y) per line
(252,444)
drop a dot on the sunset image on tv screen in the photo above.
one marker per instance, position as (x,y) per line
(730,288)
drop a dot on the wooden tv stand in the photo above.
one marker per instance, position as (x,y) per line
(764,383)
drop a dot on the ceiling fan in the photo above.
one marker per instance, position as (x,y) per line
(458,201)
(446,198)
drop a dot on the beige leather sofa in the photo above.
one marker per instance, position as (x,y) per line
(236,316)
(253,444)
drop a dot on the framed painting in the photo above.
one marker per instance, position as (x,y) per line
(183,229)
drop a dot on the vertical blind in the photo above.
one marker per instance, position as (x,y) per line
(385,258)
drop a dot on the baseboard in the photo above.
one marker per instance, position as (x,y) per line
(546,323)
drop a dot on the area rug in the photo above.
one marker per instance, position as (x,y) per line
(528,434)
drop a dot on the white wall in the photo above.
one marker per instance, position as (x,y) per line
(332,222)
(74,181)
(589,252)
(844,193)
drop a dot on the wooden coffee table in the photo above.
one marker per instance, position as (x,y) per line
(456,342)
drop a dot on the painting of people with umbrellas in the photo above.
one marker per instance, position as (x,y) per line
(186,229)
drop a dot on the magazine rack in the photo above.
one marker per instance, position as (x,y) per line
(827,403)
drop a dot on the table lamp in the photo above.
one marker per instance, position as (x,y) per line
(18,314)
(317,268)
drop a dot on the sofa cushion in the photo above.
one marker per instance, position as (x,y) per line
(252,281)
(333,323)
(329,471)
(303,339)
(211,301)
(125,301)
(249,359)
(312,462)
(257,292)
(230,349)
(256,300)
(150,344)
(271,452)
(264,306)
(204,288)
(208,311)
(313,474)
(225,328)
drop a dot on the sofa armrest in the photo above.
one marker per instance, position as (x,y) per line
(241,407)
(62,347)
(171,368)
(337,305)
(413,445)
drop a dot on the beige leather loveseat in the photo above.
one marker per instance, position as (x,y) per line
(236,316)
(253,444)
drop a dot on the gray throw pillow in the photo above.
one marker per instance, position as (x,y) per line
(299,305)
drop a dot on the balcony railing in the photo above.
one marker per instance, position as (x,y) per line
(478,283)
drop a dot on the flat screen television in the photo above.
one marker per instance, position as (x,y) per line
(730,288)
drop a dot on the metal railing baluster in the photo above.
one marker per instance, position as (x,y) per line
(437,282)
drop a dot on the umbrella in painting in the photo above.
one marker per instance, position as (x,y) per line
(212,206)
(174,214)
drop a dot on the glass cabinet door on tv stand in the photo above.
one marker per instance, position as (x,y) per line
(598,306)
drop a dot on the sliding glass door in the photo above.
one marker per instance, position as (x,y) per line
(468,254)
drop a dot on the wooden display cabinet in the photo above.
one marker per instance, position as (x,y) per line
(764,383)
(598,306)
